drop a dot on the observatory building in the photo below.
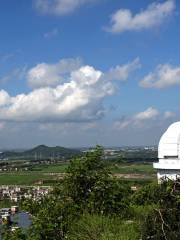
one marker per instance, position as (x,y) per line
(169,154)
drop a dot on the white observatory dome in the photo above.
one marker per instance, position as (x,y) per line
(169,153)
(169,145)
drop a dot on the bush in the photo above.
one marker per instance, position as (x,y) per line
(149,194)
(109,196)
(96,227)
(163,222)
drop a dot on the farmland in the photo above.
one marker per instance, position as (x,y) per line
(29,178)
(46,174)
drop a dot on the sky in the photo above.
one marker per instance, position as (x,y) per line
(84,72)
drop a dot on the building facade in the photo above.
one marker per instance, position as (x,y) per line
(168,166)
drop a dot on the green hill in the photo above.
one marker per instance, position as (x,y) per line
(41,152)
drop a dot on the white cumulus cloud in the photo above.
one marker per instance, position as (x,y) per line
(164,76)
(43,74)
(155,14)
(77,96)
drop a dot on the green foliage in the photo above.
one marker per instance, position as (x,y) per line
(139,213)
(163,222)
(83,174)
(92,188)
(5,203)
(96,227)
(15,235)
(31,205)
(52,215)
(147,195)
(53,220)
(109,196)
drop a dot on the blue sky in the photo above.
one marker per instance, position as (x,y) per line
(84,72)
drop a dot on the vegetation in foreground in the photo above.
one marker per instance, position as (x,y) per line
(92,204)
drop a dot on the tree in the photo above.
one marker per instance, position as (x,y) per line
(53,219)
(83,174)
(92,187)
(109,197)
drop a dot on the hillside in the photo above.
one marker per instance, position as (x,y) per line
(41,152)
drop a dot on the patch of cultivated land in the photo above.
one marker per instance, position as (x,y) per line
(56,168)
(56,171)
(15,178)
(134,168)
(133,171)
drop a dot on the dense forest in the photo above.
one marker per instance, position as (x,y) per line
(91,204)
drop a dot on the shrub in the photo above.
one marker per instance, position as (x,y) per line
(98,227)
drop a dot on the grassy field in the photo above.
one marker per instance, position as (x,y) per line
(29,178)
(55,168)
(134,168)
(50,172)
(39,173)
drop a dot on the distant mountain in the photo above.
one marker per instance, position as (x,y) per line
(41,152)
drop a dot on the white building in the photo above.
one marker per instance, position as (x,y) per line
(169,154)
